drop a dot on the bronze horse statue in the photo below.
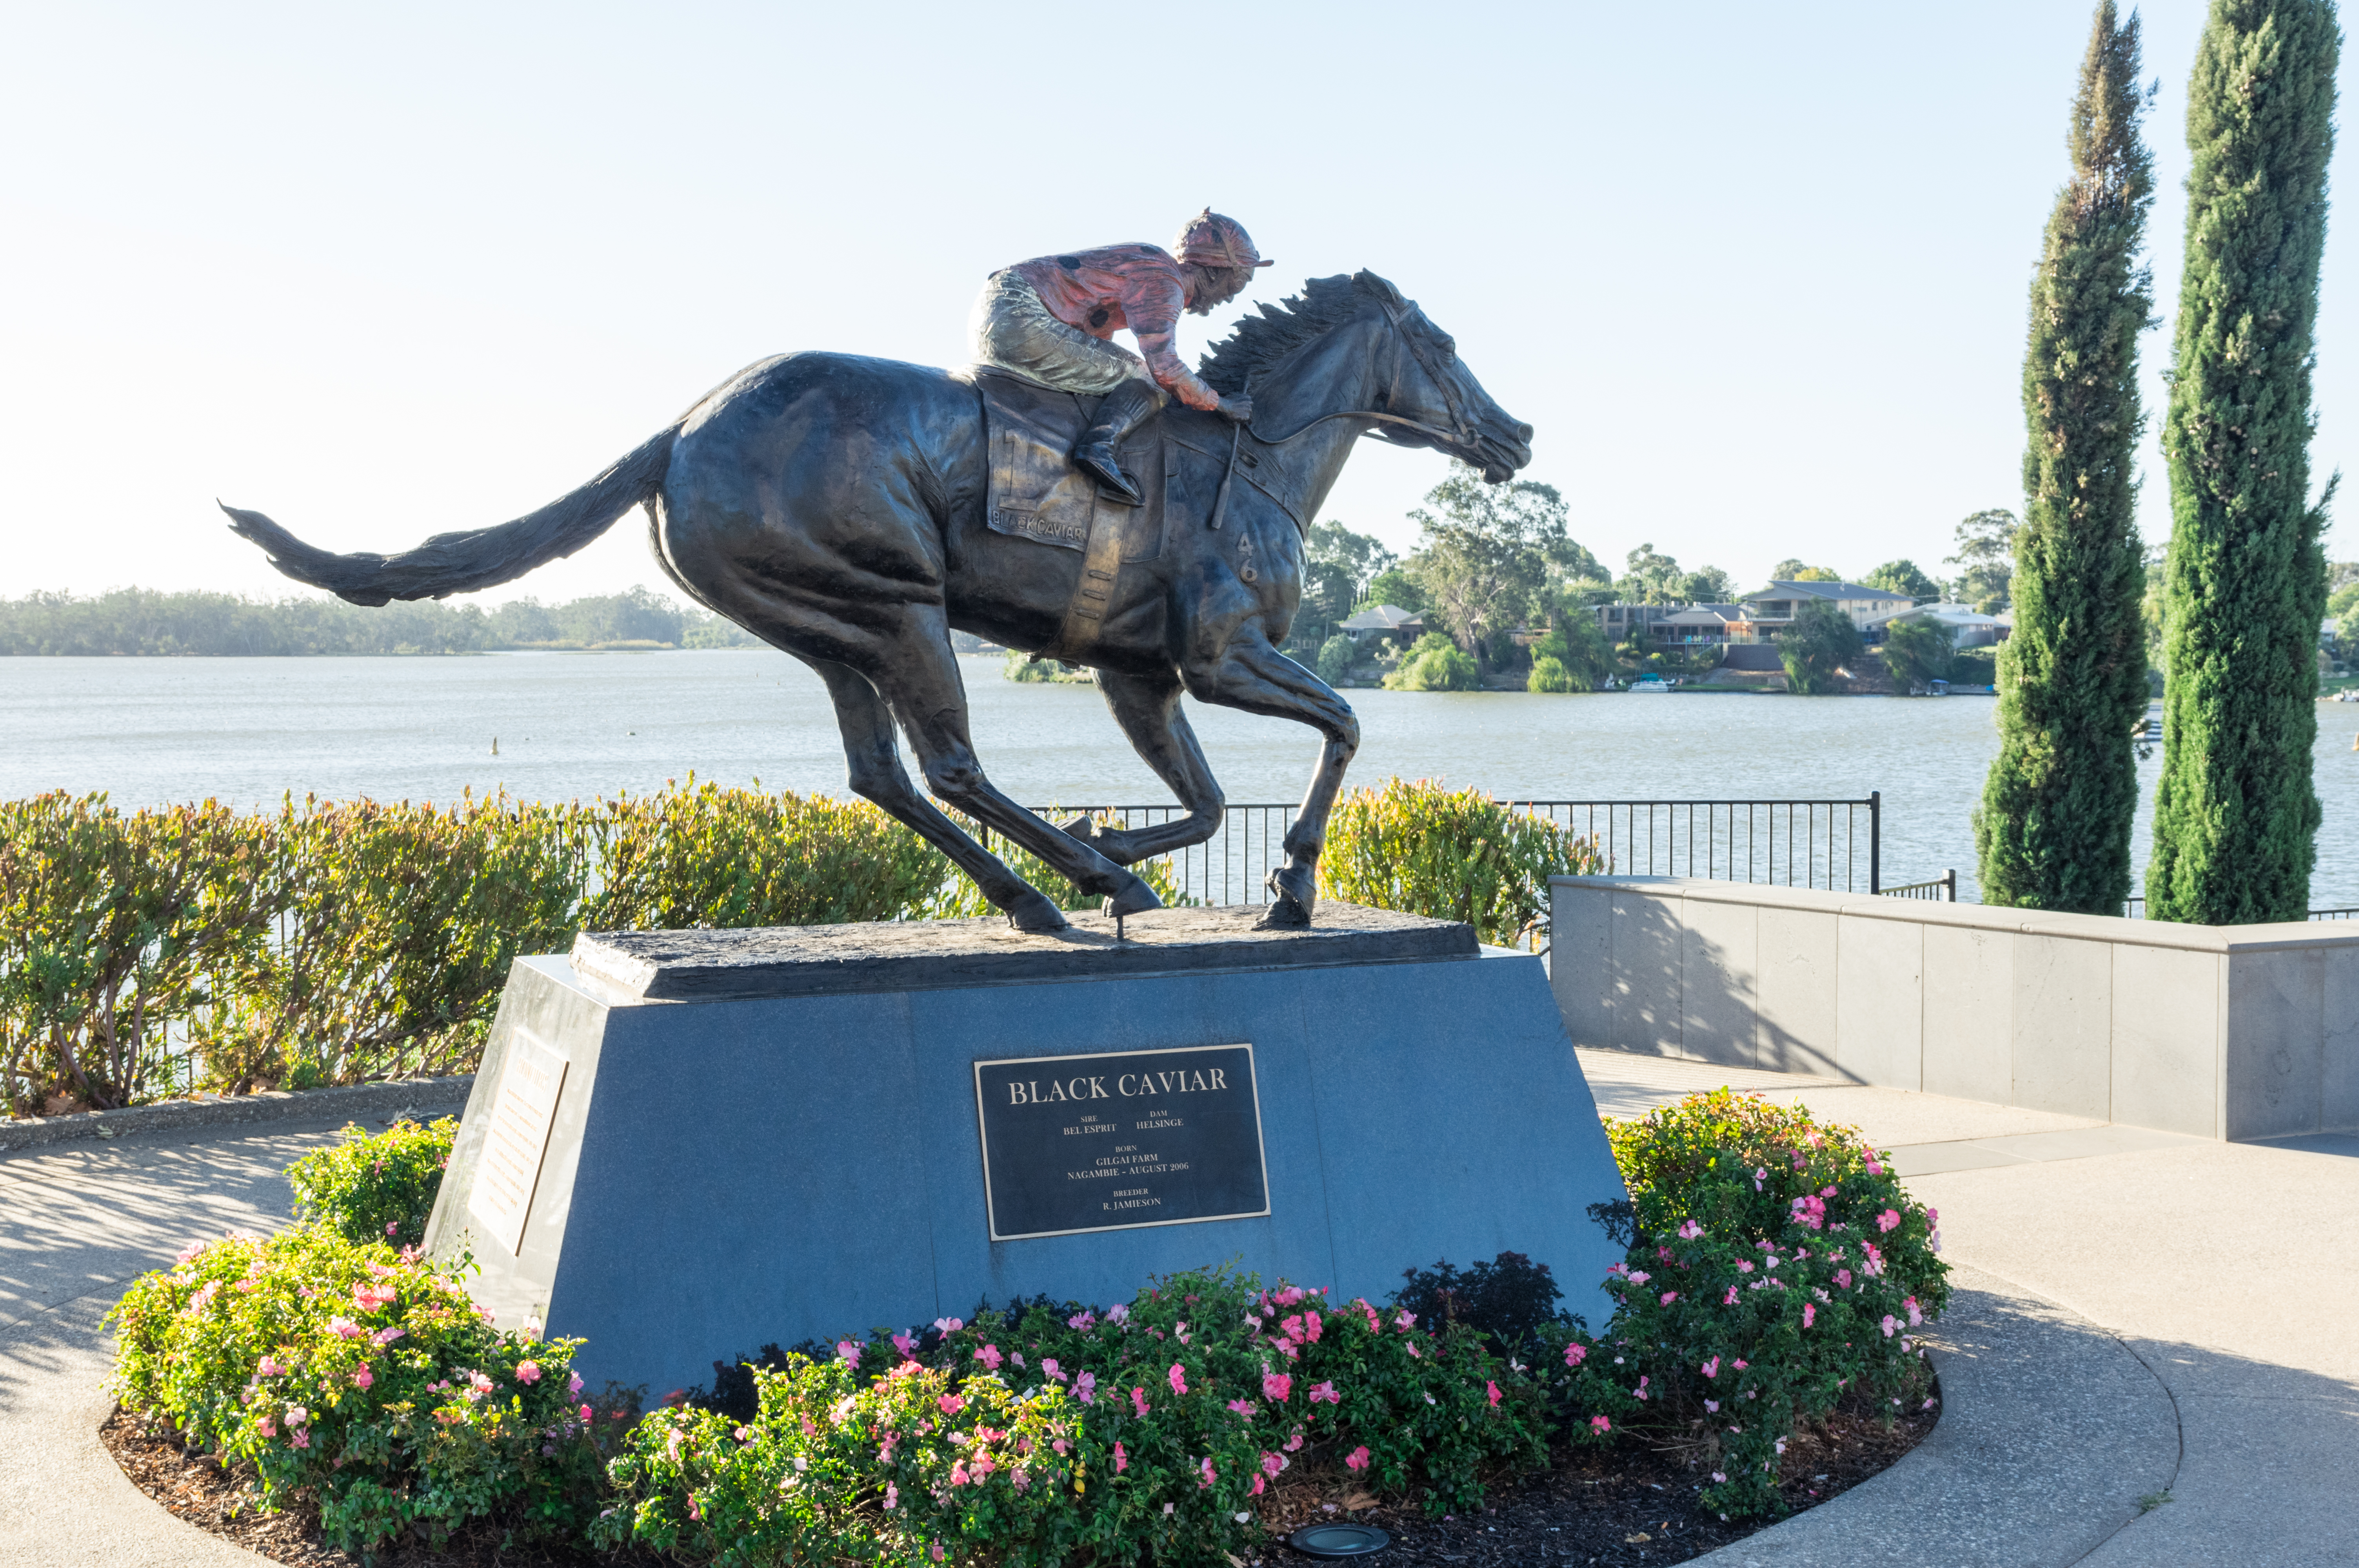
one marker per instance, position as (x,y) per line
(835,506)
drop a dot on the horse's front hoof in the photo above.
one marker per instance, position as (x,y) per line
(1286,915)
(1298,885)
(1132,900)
(1033,913)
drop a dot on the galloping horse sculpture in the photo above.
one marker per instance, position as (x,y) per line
(835,506)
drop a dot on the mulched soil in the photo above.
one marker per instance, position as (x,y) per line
(1626,1506)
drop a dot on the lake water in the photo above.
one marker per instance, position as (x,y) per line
(152,731)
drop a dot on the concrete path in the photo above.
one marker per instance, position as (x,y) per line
(78,1222)
(2140,1314)
(2137,1318)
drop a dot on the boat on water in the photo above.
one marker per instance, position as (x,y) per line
(1650,683)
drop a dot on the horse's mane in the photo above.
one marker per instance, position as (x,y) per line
(1260,341)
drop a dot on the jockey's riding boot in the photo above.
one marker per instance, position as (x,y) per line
(1119,413)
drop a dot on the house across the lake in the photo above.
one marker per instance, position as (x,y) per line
(1775,607)
(1380,621)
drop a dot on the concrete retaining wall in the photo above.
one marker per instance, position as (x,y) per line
(2220,1031)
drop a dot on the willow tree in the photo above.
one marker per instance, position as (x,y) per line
(2235,819)
(2057,810)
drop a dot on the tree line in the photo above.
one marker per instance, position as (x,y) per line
(146,621)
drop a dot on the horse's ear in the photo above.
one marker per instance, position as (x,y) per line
(1379,287)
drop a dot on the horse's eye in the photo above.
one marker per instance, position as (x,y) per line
(1450,348)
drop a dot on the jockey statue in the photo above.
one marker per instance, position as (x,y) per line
(1049,320)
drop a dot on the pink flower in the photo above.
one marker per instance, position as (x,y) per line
(950,1404)
(364,1377)
(1121,1460)
(1757,1178)
(1049,1369)
(296,1415)
(1291,1327)
(268,1427)
(369,1298)
(1719,1477)
(573,1384)
(1085,1388)
(959,1477)
(1495,1395)
(1022,1477)
(1139,1401)
(344,1328)
(892,1496)
(1842,1278)
(1711,1368)
(1639,1276)
(301,1440)
(1205,1468)
(1890,1323)
(1888,1220)
(1640,1391)
(1243,1407)
(947,1324)
(848,1353)
(1178,1378)
(1730,1298)
(1271,1464)
(1809,1314)
(1405,1322)
(1744,1265)
(1599,1423)
(905,1346)
(1081,1319)
(1118,1314)
(1712,1406)
(1575,1353)
(1357,1459)
(393,1227)
(1310,1326)
(528,1372)
(1294,1444)
(584,1413)
(271,1367)
(386,1335)
(990,1357)
(1916,1314)
(1875,1166)
(1325,1391)
(1690,1231)
(1740,1365)
(1276,1387)
(1670,1296)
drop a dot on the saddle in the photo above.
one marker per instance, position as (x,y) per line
(1035,492)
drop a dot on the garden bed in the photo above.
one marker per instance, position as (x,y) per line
(1626,1505)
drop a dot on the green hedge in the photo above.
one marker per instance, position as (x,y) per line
(143,953)
(1423,848)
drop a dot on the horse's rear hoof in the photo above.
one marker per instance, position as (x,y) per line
(1286,915)
(1033,913)
(1132,900)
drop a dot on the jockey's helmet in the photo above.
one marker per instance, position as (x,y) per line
(1212,240)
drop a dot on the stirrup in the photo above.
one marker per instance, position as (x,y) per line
(1097,459)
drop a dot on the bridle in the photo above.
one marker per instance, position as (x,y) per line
(1463,435)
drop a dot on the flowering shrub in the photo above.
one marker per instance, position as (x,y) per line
(365,1379)
(1141,1433)
(1421,848)
(1775,1264)
(375,1189)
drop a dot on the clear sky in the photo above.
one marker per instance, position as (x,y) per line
(1757,273)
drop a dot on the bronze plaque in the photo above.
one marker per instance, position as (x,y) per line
(1120,1140)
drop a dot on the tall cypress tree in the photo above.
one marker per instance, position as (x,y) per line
(2235,819)
(2054,827)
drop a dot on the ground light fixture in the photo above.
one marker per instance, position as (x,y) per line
(1337,1540)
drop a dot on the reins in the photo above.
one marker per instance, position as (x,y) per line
(1461,436)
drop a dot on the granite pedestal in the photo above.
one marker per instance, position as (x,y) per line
(683,1145)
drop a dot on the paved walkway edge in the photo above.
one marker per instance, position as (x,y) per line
(2051,1431)
(357,1102)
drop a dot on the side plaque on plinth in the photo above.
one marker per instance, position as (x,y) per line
(518,1140)
(1120,1140)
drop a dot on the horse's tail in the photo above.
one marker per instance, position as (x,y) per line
(479,557)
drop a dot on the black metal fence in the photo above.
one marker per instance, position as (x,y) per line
(1943,888)
(1834,844)
(2136,910)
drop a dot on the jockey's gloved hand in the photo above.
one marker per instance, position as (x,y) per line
(1238,405)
